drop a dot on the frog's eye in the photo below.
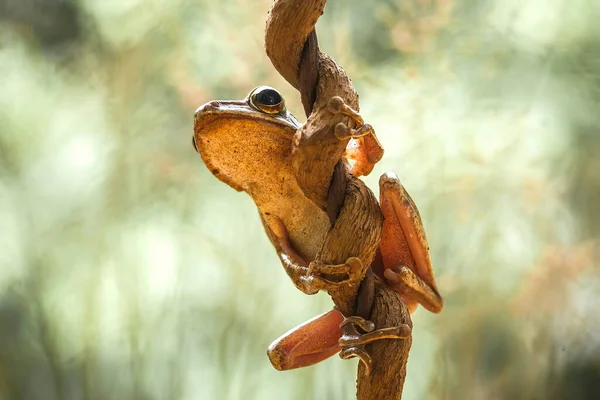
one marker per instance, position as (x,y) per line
(267,100)
(194,144)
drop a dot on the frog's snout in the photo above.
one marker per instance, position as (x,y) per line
(206,108)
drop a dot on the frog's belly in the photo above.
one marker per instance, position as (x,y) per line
(307,226)
(281,199)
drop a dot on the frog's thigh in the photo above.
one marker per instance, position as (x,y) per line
(404,249)
(307,344)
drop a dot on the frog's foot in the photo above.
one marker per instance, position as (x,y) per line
(352,340)
(336,274)
(408,284)
(337,106)
(352,337)
(342,132)
(365,150)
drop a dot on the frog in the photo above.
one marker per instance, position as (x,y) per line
(248,144)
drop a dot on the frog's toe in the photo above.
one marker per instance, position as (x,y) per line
(353,337)
(351,270)
(354,351)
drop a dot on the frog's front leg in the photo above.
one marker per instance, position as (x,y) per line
(324,140)
(404,248)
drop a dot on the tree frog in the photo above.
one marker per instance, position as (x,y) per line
(248,144)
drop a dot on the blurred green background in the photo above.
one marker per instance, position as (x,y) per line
(127,271)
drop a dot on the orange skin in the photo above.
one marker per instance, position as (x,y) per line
(405,265)
(247,146)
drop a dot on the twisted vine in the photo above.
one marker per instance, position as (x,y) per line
(291,44)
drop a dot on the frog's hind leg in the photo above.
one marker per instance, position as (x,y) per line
(307,344)
(404,248)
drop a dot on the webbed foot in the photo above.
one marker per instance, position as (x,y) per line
(365,150)
(337,106)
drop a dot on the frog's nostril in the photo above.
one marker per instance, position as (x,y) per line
(205,108)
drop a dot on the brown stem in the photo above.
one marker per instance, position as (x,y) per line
(291,44)
(389,356)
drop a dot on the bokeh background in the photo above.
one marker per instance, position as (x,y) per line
(127,271)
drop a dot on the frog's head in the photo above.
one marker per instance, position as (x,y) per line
(242,142)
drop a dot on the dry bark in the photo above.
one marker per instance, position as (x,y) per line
(291,44)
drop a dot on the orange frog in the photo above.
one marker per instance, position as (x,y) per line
(248,145)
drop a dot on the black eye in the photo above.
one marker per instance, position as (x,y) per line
(268,97)
(267,100)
